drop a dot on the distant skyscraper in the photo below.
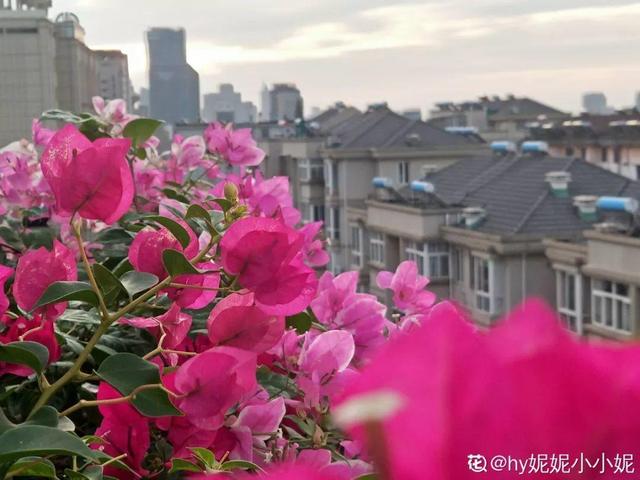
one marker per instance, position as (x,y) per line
(595,103)
(265,103)
(638,101)
(27,65)
(76,72)
(174,86)
(227,106)
(113,75)
(286,102)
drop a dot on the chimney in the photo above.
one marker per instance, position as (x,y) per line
(559,183)
(586,205)
(473,216)
(412,140)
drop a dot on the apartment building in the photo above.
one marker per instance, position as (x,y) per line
(488,230)
(610,141)
(495,117)
(598,281)
(377,143)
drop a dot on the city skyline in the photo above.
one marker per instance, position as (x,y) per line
(407,53)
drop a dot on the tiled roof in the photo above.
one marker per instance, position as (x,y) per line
(383,128)
(516,196)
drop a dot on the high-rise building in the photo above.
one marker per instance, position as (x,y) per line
(638,101)
(75,63)
(595,103)
(227,106)
(27,68)
(113,76)
(265,103)
(286,102)
(174,86)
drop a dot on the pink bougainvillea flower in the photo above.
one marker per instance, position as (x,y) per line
(36,270)
(204,287)
(338,305)
(174,323)
(271,197)
(408,286)
(236,146)
(248,432)
(41,135)
(212,382)
(149,182)
(145,253)
(265,254)
(528,386)
(92,179)
(38,329)
(112,112)
(237,322)
(314,253)
(323,365)
(5,273)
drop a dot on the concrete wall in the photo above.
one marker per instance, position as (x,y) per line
(27,81)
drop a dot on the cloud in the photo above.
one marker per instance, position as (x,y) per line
(494,43)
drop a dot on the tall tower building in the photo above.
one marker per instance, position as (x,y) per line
(113,76)
(27,66)
(174,86)
(76,69)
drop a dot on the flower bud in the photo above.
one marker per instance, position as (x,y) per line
(231,192)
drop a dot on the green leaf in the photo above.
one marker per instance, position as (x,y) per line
(32,467)
(240,465)
(135,282)
(31,440)
(172,194)
(140,129)
(108,283)
(92,472)
(174,227)
(176,263)
(367,476)
(46,416)
(126,372)
(65,291)
(33,355)
(301,322)
(205,456)
(180,465)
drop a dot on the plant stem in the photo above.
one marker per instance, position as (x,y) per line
(109,401)
(87,267)
(70,374)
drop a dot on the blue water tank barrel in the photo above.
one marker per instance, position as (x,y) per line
(618,204)
(462,130)
(382,182)
(534,146)
(503,146)
(424,187)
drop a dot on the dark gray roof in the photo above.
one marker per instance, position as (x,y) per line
(516,196)
(383,128)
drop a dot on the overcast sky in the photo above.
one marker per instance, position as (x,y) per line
(409,53)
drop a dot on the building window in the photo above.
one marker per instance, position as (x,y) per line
(481,283)
(569,299)
(457,266)
(333,225)
(310,169)
(333,265)
(403,173)
(611,305)
(331,177)
(416,253)
(376,247)
(356,246)
(311,212)
(431,257)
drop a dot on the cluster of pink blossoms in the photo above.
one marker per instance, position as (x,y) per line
(417,392)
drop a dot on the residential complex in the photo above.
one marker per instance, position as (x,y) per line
(494,118)
(610,141)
